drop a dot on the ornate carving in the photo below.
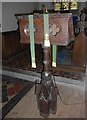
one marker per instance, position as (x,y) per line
(27,29)
(54,29)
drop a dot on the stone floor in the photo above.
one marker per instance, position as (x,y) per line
(71,104)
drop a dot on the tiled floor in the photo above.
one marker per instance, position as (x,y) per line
(10,88)
(13,90)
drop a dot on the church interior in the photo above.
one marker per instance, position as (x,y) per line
(43,59)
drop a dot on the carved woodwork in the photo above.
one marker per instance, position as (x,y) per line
(60,28)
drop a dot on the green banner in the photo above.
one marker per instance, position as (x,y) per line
(31,34)
(46,41)
(46,24)
(46,31)
(54,55)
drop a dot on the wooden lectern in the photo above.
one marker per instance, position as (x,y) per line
(60,33)
(60,28)
(57,29)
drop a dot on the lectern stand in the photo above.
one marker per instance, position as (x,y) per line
(46,29)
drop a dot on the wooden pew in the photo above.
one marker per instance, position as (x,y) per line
(79,51)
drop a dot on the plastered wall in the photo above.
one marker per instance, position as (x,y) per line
(9,9)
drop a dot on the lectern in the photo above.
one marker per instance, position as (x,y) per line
(60,28)
(46,29)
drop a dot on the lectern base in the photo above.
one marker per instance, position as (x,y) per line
(27,107)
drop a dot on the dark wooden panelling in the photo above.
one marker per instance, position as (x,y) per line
(79,50)
(0,46)
(11,44)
